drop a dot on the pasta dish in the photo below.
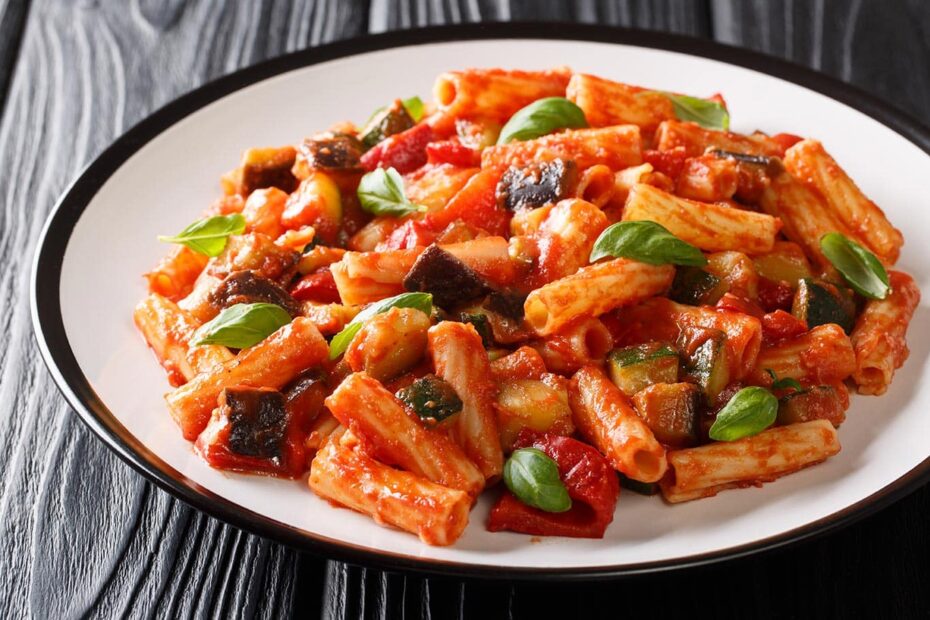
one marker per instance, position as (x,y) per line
(543,285)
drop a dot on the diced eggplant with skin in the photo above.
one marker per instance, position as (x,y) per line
(339,151)
(536,185)
(391,120)
(263,168)
(507,303)
(450,281)
(820,402)
(818,302)
(634,368)
(671,411)
(258,421)
(304,396)
(772,165)
(704,353)
(246,287)
(640,488)
(479,321)
(503,312)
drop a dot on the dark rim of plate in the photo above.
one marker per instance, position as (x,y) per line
(56,350)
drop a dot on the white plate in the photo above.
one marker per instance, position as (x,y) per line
(163,172)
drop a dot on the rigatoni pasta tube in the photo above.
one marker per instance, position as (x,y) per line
(615,147)
(879,335)
(709,226)
(605,417)
(364,277)
(822,355)
(437,514)
(605,102)
(495,93)
(695,140)
(175,275)
(272,363)
(167,329)
(565,238)
(706,470)
(460,358)
(594,290)
(380,421)
(812,165)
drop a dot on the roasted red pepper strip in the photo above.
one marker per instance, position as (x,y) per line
(476,205)
(591,482)
(410,234)
(453,152)
(405,152)
(780,325)
(317,286)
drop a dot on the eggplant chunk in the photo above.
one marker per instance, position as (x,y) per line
(431,398)
(257,420)
(670,410)
(536,185)
(508,304)
(304,397)
(246,287)
(270,167)
(772,165)
(450,281)
(331,152)
(384,124)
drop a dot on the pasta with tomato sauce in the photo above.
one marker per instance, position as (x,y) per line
(544,281)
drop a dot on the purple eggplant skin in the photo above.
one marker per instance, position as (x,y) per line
(449,280)
(536,185)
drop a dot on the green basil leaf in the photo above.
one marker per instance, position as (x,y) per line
(859,267)
(646,242)
(381,192)
(209,236)
(414,106)
(704,112)
(749,412)
(785,383)
(542,117)
(242,325)
(534,478)
(340,342)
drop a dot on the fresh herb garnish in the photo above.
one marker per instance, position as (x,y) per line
(542,117)
(534,478)
(381,192)
(209,236)
(242,325)
(859,267)
(340,342)
(749,412)
(646,242)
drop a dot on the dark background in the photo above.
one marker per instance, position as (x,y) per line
(83,534)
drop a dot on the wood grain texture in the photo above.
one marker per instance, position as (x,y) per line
(83,535)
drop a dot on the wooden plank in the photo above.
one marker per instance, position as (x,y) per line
(81,532)
(879,46)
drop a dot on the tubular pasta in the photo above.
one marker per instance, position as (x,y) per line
(582,342)
(175,275)
(605,417)
(615,147)
(565,238)
(695,140)
(437,514)
(271,363)
(495,93)
(611,103)
(364,277)
(711,227)
(461,360)
(594,290)
(879,335)
(596,185)
(822,355)
(706,470)
(392,436)
(812,165)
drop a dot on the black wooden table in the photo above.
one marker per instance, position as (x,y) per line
(83,534)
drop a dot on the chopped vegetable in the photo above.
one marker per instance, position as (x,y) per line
(386,122)
(749,412)
(695,286)
(818,302)
(536,185)
(637,367)
(671,411)
(448,279)
(647,242)
(209,236)
(705,359)
(431,398)
(242,325)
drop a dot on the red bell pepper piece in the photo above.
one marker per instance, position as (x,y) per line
(317,286)
(786,140)
(780,325)
(405,151)
(453,152)
(591,482)
(476,205)
(669,163)
(410,234)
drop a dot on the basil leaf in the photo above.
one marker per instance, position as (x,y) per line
(859,267)
(785,383)
(646,242)
(749,412)
(242,325)
(414,106)
(381,192)
(542,117)
(209,236)
(534,478)
(704,112)
(340,342)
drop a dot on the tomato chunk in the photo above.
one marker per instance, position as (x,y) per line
(476,205)
(669,162)
(405,152)
(775,295)
(317,286)
(786,140)
(591,482)
(410,234)
(781,325)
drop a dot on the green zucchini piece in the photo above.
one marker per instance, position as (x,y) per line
(695,286)
(818,302)
(705,359)
(480,321)
(637,367)
(431,398)
(391,120)
(820,402)
(643,488)
(671,411)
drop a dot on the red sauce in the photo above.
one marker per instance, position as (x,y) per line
(405,152)
(318,286)
(780,325)
(452,152)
